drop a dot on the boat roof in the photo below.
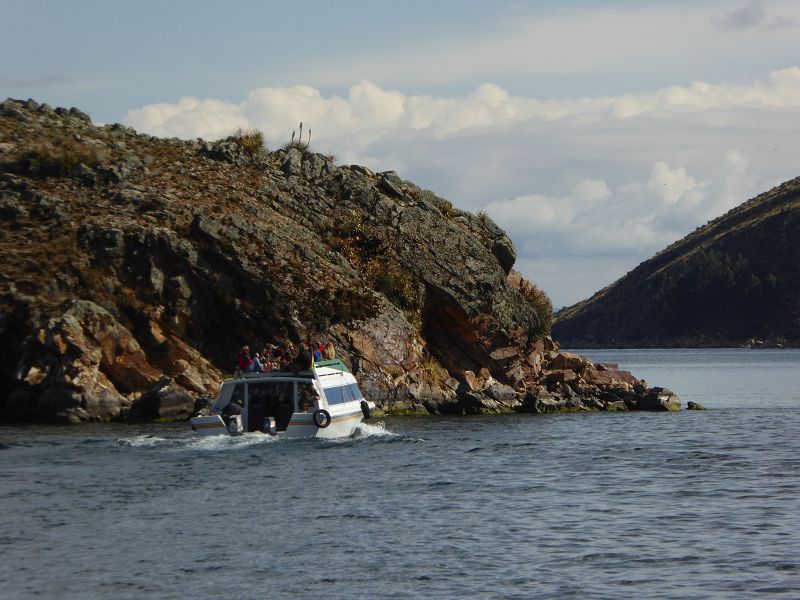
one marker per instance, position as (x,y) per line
(320,369)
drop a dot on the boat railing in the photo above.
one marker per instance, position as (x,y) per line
(334,363)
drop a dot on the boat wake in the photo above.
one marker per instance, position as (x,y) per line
(211,443)
(373,430)
(225,442)
(144,441)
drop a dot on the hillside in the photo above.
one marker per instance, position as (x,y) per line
(733,282)
(134,268)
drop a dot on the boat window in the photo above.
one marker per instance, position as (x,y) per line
(355,393)
(334,395)
(342,393)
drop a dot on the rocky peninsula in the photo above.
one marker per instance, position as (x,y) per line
(133,269)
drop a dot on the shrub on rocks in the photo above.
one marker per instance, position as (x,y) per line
(251,141)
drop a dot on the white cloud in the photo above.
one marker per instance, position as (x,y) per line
(595,220)
(612,175)
(188,118)
(669,184)
(591,189)
(371,111)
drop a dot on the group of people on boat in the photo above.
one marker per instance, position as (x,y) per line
(276,357)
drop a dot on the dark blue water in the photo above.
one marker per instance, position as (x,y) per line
(686,505)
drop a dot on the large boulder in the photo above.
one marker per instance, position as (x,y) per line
(81,365)
(165,400)
(659,399)
(568,360)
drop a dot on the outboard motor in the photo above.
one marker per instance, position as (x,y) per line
(269,427)
(366,410)
(235,425)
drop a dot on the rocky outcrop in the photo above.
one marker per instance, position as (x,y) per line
(574,383)
(85,365)
(135,267)
(79,366)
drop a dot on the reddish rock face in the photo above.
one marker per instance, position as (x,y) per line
(79,365)
(503,354)
(472,381)
(560,376)
(535,358)
(567,360)
(85,365)
(610,377)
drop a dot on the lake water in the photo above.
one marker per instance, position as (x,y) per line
(597,505)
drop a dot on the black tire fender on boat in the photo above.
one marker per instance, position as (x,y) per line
(322,418)
(366,410)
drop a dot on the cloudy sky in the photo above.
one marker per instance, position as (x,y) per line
(594,133)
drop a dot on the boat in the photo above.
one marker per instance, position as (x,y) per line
(322,402)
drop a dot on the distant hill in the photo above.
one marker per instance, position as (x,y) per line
(732,282)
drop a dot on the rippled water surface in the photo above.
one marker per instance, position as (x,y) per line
(641,505)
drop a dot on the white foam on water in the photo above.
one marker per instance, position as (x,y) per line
(227,442)
(213,442)
(377,429)
(144,441)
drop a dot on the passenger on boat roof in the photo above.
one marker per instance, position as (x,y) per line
(277,356)
(272,355)
(316,350)
(304,360)
(329,353)
(247,364)
(243,360)
(269,355)
(266,365)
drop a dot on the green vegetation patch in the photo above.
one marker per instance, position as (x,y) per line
(541,304)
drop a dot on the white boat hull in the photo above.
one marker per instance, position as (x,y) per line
(209,425)
(343,424)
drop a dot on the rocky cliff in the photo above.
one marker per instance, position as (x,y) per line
(732,282)
(134,268)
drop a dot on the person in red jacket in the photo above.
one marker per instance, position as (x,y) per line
(243,361)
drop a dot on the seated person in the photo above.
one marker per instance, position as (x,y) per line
(304,360)
(243,360)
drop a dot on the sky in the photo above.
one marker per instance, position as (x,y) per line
(594,133)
